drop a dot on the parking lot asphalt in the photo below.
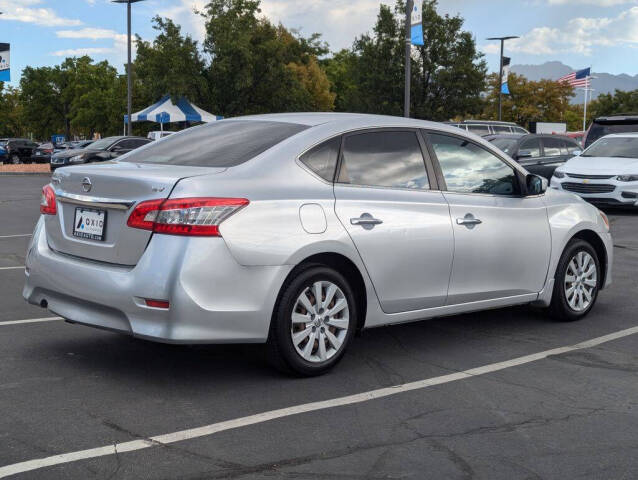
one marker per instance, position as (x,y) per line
(67,388)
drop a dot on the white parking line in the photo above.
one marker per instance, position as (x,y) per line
(31,320)
(16,236)
(12,268)
(140,444)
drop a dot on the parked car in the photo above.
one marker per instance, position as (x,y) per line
(488,127)
(43,152)
(19,150)
(330,223)
(4,157)
(156,135)
(606,173)
(97,151)
(538,153)
(601,126)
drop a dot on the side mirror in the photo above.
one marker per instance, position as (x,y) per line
(536,185)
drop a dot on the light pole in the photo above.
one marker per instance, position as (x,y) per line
(500,75)
(129,67)
(408,58)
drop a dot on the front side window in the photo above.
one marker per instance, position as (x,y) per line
(468,168)
(383,159)
(322,159)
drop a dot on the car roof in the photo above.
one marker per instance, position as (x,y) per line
(346,121)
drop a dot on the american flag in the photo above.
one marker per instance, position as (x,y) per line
(577,79)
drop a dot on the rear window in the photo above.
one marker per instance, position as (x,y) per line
(219,144)
(599,130)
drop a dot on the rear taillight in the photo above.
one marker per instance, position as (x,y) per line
(47,203)
(185,216)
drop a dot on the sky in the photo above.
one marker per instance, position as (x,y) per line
(602,34)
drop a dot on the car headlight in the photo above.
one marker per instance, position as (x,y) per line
(558,174)
(76,159)
(627,178)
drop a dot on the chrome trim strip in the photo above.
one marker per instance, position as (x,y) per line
(96,202)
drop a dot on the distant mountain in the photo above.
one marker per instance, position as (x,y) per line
(605,83)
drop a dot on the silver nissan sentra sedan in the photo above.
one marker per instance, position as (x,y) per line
(300,229)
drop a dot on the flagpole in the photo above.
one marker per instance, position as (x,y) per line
(585,106)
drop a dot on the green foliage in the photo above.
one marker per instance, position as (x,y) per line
(257,67)
(545,100)
(448,73)
(170,65)
(618,102)
(11,118)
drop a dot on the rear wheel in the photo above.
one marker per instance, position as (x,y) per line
(313,322)
(576,282)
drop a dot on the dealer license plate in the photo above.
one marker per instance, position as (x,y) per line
(89,223)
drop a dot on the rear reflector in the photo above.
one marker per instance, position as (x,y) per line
(47,203)
(198,216)
(157,303)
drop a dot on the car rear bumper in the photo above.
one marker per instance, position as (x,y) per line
(212,298)
(621,194)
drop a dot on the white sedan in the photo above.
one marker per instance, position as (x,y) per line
(606,173)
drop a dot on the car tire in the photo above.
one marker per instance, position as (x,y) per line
(289,341)
(15,159)
(575,288)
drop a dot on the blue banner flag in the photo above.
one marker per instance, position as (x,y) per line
(5,68)
(505,89)
(416,22)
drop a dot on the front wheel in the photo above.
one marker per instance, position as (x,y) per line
(15,159)
(313,322)
(576,282)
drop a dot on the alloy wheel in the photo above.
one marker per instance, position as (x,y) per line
(320,321)
(580,281)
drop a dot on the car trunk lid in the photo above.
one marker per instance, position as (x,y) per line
(108,192)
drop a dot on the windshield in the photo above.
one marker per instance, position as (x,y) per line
(220,144)
(622,147)
(506,144)
(102,144)
(599,130)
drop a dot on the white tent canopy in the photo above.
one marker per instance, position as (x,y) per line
(165,111)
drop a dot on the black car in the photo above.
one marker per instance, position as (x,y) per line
(98,151)
(42,154)
(601,126)
(19,150)
(539,154)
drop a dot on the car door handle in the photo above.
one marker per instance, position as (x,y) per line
(365,219)
(468,220)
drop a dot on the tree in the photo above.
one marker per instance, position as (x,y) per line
(11,118)
(448,73)
(170,65)
(545,100)
(76,97)
(618,102)
(258,67)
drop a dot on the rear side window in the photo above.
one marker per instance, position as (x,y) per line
(220,144)
(553,147)
(383,159)
(479,129)
(322,159)
(501,129)
(519,130)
